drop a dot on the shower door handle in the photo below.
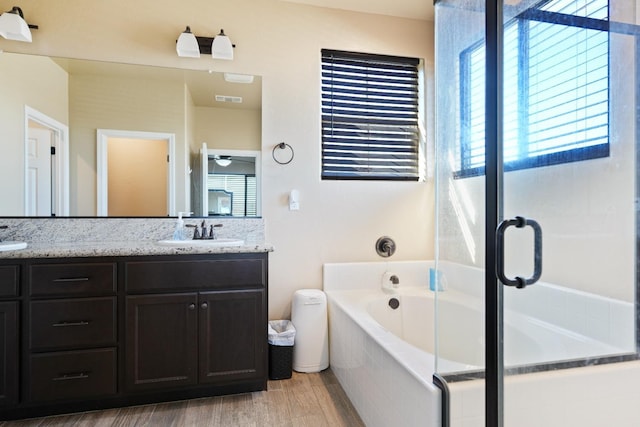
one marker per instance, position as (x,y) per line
(519,222)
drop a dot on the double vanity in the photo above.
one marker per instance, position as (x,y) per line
(89,325)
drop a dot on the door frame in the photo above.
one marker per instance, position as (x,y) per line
(102,138)
(60,164)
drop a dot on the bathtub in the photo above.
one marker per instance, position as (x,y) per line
(384,357)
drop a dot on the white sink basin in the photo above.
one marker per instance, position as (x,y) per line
(217,243)
(12,246)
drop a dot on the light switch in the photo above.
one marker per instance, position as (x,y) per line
(294,200)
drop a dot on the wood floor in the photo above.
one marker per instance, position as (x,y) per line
(314,399)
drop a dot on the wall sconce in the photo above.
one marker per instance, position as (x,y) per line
(14,27)
(191,46)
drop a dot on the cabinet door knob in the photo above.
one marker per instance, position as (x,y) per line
(192,306)
(204,305)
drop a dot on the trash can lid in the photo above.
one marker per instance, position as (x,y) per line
(310,292)
(309,296)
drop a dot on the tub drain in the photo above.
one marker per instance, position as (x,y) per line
(394,303)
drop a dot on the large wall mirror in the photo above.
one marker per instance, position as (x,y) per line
(89,138)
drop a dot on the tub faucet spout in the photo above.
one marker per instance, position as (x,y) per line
(390,282)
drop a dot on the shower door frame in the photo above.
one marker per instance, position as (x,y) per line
(494,194)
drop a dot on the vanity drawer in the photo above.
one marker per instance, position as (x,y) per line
(9,280)
(72,374)
(72,323)
(248,272)
(72,279)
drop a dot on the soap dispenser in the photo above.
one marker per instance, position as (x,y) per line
(179,233)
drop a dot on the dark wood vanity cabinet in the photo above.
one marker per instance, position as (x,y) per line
(213,335)
(71,329)
(89,333)
(8,353)
(161,336)
(194,338)
(9,333)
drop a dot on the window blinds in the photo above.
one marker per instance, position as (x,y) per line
(369,116)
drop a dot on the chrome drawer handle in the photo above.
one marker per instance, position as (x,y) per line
(63,324)
(74,376)
(72,279)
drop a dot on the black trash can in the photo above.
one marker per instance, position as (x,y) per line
(281,339)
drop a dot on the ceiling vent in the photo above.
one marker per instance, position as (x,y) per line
(227,98)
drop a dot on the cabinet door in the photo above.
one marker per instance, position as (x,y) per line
(8,353)
(162,341)
(232,336)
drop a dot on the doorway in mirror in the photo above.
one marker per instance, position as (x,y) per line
(135,173)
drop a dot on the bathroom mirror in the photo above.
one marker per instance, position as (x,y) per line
(67,101)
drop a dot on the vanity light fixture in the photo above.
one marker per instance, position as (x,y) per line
(223,161)
(14,27)
(187,45)
(221,47)
(191,46)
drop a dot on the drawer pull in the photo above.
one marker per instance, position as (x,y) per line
(72,376)
(72,279)
(64,324)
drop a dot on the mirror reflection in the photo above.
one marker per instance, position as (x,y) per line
(68,125)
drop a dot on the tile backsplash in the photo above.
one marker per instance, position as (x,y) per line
(53,230)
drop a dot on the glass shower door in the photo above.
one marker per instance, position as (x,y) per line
(567,246)
(538,186)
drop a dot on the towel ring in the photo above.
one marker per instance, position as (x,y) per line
(282,146)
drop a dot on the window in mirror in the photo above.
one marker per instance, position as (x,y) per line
(231,183)
(233,195)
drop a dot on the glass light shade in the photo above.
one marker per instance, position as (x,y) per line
(187,45)
(222,48)
(13,27)
(223,161)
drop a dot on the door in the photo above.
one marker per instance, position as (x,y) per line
(536,189)
(46,165)
(161,341)
(232,336)
(39,185)
(568,207)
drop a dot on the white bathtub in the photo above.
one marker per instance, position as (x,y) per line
(384,357)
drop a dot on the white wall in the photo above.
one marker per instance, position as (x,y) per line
(338,220)
(586,209)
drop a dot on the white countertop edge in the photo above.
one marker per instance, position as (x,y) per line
(124,248)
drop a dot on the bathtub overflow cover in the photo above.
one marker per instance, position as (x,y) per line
(394,303)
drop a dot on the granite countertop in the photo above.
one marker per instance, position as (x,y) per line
(122,248)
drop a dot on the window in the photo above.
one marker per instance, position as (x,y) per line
(556,88)
(369,116)
(241,188)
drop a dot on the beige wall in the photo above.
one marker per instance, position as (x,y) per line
(99,102)
(338,220)
(26,81)
(222,128)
